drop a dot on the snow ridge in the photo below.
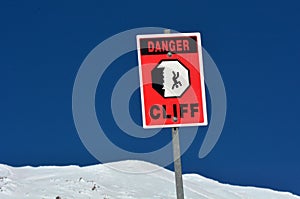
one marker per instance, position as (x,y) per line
(118,180)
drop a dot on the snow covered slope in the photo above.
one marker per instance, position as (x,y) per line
(122,180)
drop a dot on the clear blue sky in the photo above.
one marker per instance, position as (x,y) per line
(255,45)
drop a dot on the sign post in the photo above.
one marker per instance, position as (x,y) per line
(177,155)
(177,163)
(172,86)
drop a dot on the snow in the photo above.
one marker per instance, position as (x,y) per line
(118,180)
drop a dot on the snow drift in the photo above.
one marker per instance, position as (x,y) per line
(119,180)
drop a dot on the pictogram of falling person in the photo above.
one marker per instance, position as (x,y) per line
(170,78)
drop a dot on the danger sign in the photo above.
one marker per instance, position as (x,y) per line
(171,80)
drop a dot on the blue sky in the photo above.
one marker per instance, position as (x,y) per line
(254,44)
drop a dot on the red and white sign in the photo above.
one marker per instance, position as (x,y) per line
(171,80)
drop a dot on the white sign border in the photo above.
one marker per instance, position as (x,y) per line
(202,82)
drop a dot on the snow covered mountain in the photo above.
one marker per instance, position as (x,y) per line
(119,180)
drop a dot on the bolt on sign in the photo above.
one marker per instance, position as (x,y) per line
(171,80)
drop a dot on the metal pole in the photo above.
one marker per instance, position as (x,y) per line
(176,154)
(177,163)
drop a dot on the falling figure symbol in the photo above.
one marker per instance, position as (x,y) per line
(170,78)
(176,82)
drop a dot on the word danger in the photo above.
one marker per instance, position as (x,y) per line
(166,46)
(161,111)
(152,46)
